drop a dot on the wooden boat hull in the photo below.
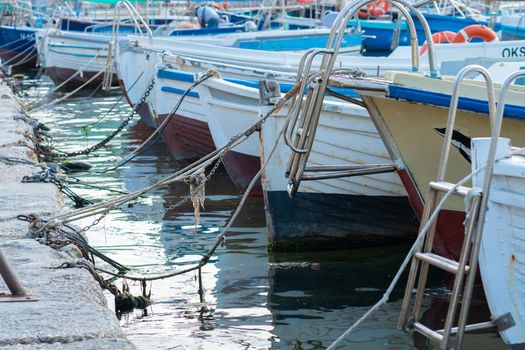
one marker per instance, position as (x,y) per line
(60,75)
(337,213)
(328,221)
(501,258)
(242,168)
(189,135)
(327,214)
(66,53)
(187,138)
(18,46)
(413,118)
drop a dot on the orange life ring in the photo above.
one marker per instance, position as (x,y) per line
(378,8)
(437,38)
(362,13)
(475,31)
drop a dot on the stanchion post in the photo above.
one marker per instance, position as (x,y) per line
(10,278)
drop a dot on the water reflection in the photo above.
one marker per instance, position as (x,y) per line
(251,300)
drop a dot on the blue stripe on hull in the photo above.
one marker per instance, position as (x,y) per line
(173,90)
(208,31)
(186,77)
(172,74)
(77,54)
(512,33)
(66,46)
(443,100)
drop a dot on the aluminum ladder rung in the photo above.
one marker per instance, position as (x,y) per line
(472,327)
(444,186)
(427,332)
(440,262)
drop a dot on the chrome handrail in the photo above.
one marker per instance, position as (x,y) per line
(135,17)
(298,99)
(454,99)
(137,20)
(450,318)
(310,110)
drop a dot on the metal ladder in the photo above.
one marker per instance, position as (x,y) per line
(303,117)
(466,267)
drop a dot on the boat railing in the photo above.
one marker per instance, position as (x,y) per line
(141,26)
(303,117)
(29,11)
(61,13)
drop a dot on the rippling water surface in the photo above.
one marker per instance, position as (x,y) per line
(252,300)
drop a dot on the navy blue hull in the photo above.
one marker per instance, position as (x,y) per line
(438,23)
(316,221)
(17,46)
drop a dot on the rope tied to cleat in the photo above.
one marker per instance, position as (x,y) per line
(155,136)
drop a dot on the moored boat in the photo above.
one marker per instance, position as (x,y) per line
(412,111)
(74,58)
(18,46)
(501,252)
(188,135)
(347,137)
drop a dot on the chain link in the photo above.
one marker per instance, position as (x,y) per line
(97,220)
(208,177)
(219,161)
(186,198)
(114,133)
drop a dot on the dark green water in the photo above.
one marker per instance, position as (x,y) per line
(254,301)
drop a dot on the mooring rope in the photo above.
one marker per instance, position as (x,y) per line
(26,59)
(410,253)
(11,43)
(7,63)
(60,99)
(125,301)
(71,234)
(155,136)
(59,86)
(48,175)
(219,239)
(177,176)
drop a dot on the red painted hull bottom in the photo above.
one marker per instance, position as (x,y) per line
(60,75)
(23,61)
(450,231)
(242,168)
(187,139)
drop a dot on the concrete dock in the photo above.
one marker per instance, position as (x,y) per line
(70,310)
